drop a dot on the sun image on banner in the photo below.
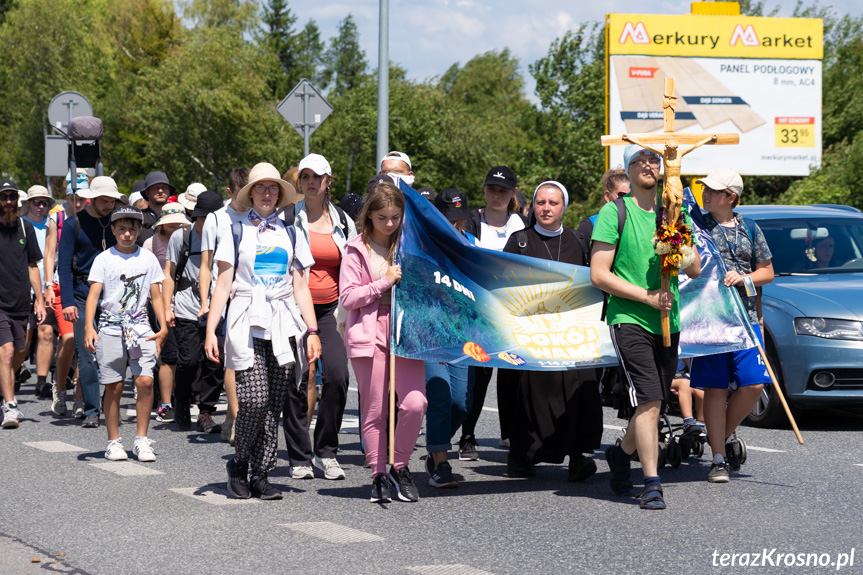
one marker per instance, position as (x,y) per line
(759,77)
(460,303)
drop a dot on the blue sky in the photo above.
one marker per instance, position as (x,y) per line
(428,36)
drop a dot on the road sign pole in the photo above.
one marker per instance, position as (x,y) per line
(383,81)
(306,96)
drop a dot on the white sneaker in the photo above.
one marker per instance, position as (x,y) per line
(78,409)
(330,467)
(115,451)
(11,415)
(302,472)
(143,449)
(58,401)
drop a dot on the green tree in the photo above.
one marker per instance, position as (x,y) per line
(239,15)
(299,55)
(345,66)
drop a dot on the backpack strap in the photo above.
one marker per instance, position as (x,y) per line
(181,283)
(237,233)
(751,230)
(521,241)
(621,222)
(343,220)
(289,214)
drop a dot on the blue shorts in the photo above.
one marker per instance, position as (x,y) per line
(740,367)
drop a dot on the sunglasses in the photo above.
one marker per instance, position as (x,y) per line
(39,203)
(8,197)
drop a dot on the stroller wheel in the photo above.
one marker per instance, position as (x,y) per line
(697,448)
(740,450)
(685,444)
(675,454)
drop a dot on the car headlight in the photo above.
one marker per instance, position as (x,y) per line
(829,328)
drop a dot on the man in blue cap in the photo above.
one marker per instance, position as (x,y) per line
(625,266)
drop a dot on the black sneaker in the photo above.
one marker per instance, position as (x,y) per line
(580,468)
(207,425)
(182,417)
(467,448)
(165,414)
(695,429)
(718,473)
(43,390)
(381,489)
(238,479)
(518,468)
(404,484)
(442,476)
(731,458)
(262,489)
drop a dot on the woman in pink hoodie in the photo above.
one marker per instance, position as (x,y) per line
(366,279)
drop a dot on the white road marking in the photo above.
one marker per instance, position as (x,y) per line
(491,409)
(127,468)
(614,427)
(333,532)
(765,449)
(447,570)
(218,497)
(54,446)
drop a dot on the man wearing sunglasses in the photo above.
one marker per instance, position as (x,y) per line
(39,204)
(19,258)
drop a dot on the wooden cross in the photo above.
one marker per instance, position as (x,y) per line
(672,146)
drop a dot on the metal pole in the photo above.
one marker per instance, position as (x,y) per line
(306,96)
(383,81)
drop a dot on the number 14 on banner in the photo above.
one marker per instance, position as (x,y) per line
(445,280)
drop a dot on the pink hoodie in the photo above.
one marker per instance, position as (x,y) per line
(360,297)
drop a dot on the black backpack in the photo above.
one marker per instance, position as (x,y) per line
(181,283)
(621,222)
(289,214)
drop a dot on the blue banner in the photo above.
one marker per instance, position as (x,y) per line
(460,303)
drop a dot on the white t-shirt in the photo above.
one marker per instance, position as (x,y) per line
(496,238)
(265,259)
(126,281)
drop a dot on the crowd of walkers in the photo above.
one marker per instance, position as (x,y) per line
(260,296)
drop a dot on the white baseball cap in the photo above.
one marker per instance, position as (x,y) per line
(316,163)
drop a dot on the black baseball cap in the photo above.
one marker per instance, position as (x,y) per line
(352,204)
(127,212)
(427,193)
(501,176)
(7,185)
(207,203)
(452,203)
(378,179)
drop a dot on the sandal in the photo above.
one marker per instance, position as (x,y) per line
(621,479)
(651,498)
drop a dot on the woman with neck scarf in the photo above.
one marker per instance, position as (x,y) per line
(263,272)
(557,413)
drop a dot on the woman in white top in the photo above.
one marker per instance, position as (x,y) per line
(492,226)
(263,272)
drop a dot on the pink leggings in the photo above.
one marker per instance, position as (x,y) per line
(372,375)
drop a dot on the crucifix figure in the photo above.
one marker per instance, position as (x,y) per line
(671,146)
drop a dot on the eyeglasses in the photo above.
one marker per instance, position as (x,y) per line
(713,192)
(8,197)
(262,189)
(39,203)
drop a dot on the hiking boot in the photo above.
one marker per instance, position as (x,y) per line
(381,489)
(262,489)
(11,415)
(404,484)
(302,472)
(518,468)
(238,478)
(206,423)
(91,422)
(331,468)
(227,430)
(78,409)
(718,473)
(165,414)
(58,401)
(467,448)
(115,451)
(580,468)
(143,449)
(731,458)
(442,476)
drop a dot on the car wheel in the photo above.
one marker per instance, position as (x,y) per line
(768,411)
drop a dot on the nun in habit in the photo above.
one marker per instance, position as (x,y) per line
(557,413)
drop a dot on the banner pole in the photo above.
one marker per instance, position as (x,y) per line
(778,391)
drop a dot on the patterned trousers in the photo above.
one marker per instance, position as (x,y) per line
(261,391)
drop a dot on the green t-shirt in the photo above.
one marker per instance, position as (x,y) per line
(636,263)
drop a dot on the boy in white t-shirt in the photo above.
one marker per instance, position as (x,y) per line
(124,277)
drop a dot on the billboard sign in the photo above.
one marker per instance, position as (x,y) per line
(759,77)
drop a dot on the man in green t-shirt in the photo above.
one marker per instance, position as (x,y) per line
(636,300)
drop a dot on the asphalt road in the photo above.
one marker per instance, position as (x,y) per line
(68,507)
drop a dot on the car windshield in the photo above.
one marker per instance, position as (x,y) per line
(827,245)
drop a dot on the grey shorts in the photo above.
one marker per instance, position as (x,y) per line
(113,358)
